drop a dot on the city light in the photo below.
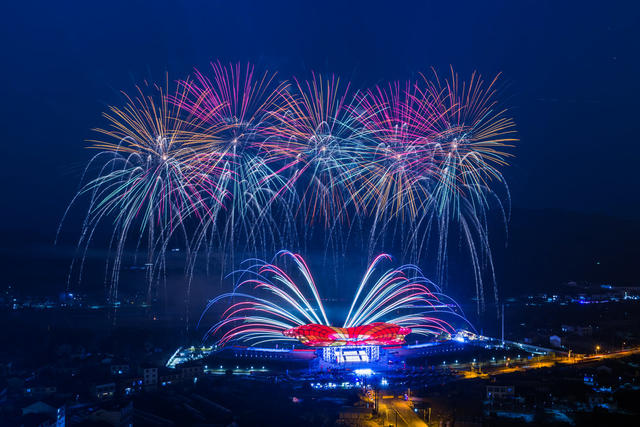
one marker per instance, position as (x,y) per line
(321,223)
(315,335)
(272,306)
(364,372)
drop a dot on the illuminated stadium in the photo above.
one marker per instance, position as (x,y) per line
(378,333)
(270,306)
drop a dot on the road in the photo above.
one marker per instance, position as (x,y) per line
(504,367)
(400,410)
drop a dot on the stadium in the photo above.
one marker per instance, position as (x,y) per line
(275,315)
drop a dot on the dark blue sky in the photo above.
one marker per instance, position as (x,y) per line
(570,76)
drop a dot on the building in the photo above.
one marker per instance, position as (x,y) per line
(189,371)
(129,386)
(115,416)
(104,391)
(169,377)
(44,414)
(40,390)
(149,377)
(583,331)
(500,391)
(119,369)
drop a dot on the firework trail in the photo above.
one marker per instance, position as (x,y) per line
(236,161)
(154,171)
(472,134)
(439,147)
(270,305)
(237,100)
(400,168)
(318,140)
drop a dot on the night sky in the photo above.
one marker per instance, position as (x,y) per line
(570,77)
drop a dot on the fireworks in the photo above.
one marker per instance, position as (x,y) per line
(269,305)
(401,169)
(237,160)
(378,333)
(319,142)
(155,171)
(471,136)
(238,102)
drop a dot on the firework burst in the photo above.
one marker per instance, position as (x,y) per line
(239,102)
(154,172)
(270,305)
(472,134)
(235,160)
(318,141)
(401,165)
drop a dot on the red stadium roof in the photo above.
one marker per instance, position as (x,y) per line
(372,334)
